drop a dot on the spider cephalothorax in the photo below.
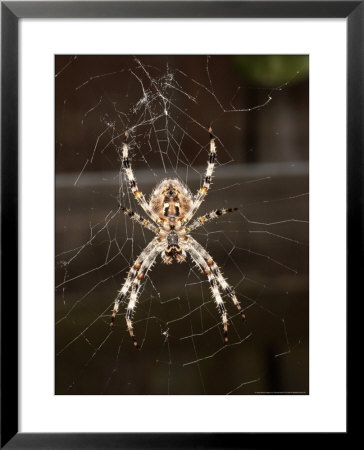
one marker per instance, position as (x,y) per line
(171,208)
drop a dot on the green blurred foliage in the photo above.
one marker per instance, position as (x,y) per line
(272,70)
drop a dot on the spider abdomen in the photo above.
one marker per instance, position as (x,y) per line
(170,200)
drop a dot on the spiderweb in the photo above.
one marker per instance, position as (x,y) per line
(167,103)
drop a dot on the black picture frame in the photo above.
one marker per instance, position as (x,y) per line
(11,12)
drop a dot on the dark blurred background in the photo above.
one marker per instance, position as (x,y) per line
(258,108)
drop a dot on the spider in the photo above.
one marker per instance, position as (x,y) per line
(171,208)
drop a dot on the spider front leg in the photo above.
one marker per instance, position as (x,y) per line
(133,272)
(202,264)
(145,266)
(197,249)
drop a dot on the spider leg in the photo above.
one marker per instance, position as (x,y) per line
(138,195)
(202,264)
(197,248)
(133,272)
(207,179)
(146,265)
(208,217)
(139,219)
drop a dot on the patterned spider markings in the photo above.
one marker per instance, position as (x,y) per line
(170,210)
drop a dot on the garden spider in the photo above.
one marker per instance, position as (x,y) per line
(171,208)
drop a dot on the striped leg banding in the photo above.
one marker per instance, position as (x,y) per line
(202,220)
(138,195)
(145,255)
(139,219)
(207,179)
(214,268)
(200,261)
(143,269)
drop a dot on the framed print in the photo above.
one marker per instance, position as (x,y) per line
(182,184)
(162,144)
